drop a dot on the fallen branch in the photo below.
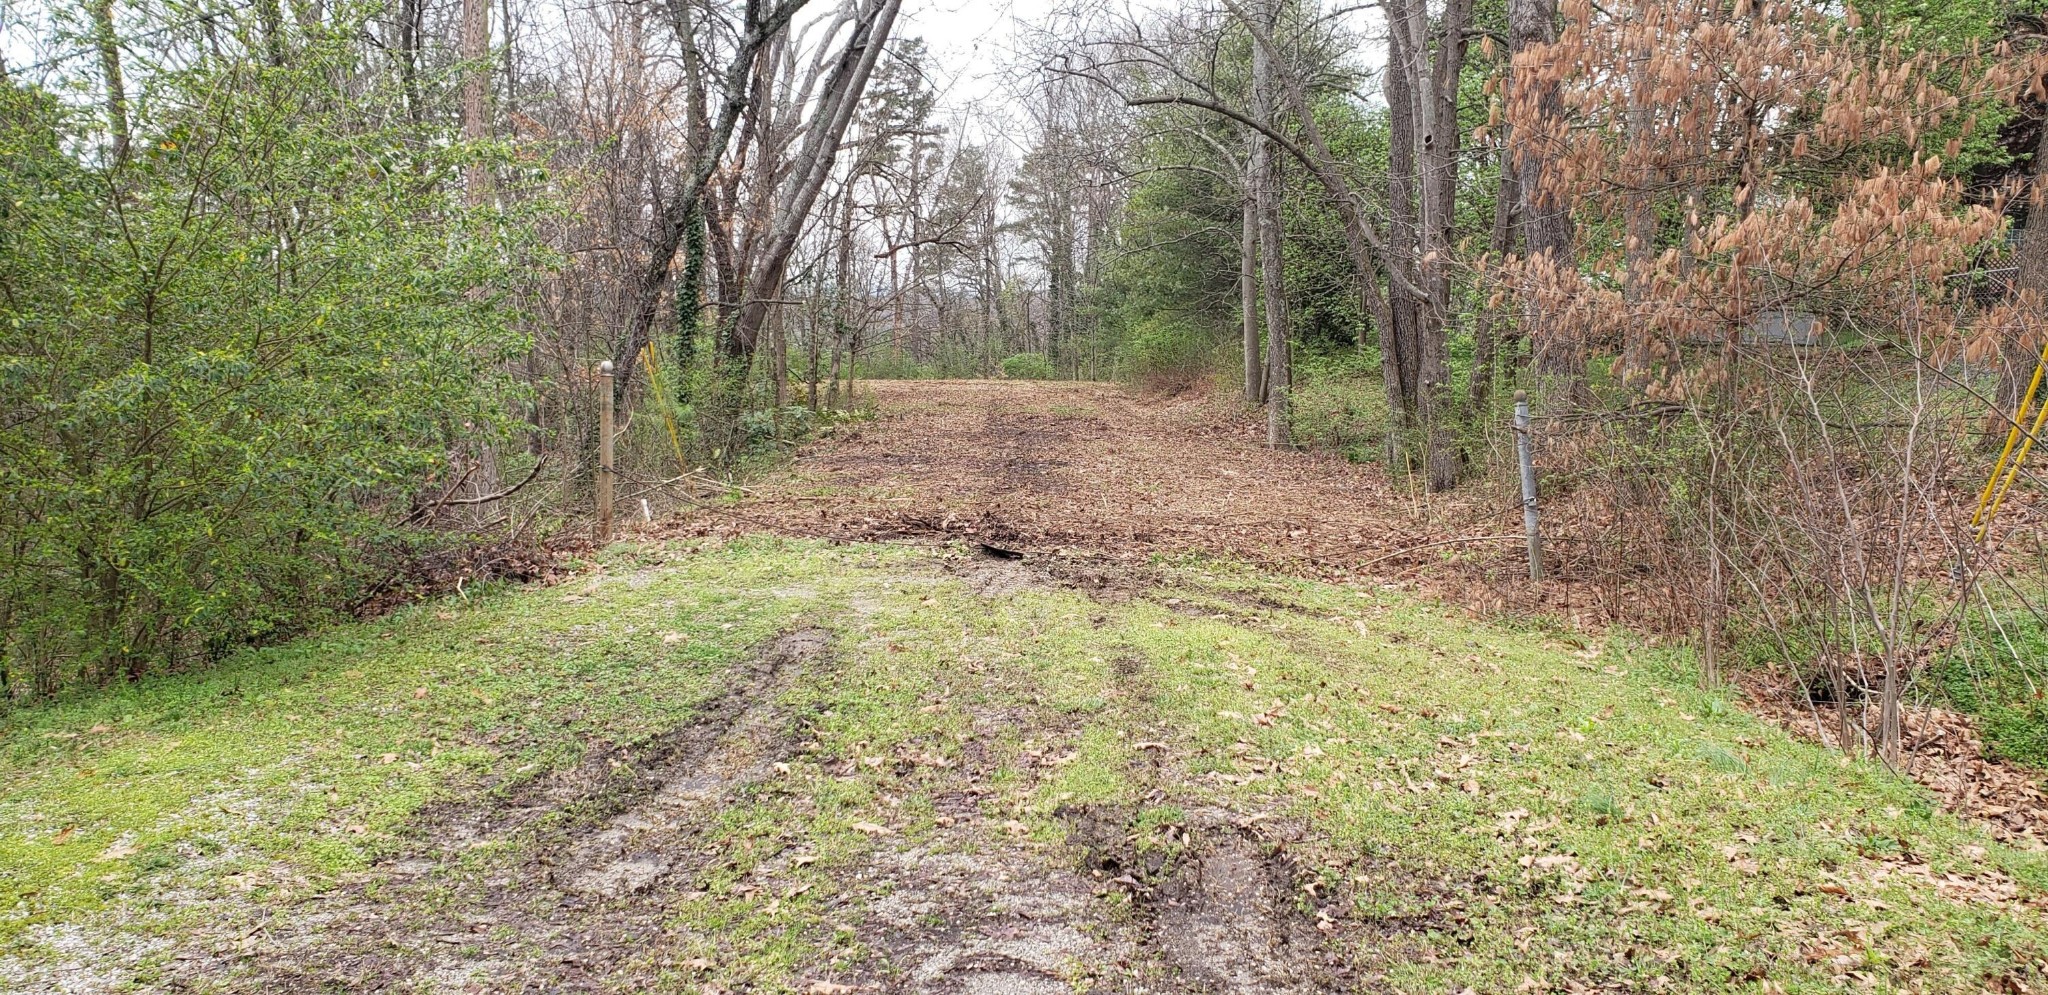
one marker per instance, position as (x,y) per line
(509,491)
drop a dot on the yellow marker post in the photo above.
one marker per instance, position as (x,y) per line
(2012,437)
(2012,472)
(668,418)
(2009,472)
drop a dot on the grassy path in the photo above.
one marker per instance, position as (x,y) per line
(779,765)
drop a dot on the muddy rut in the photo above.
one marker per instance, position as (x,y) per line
(1223,914)
(569,883)
(1213,904)
(612,844)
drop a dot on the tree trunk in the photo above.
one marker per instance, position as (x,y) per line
(1546,219)
(778,367)
(1405,305)
(1485,342)
(899,322)
(813,342)
(1248,298)
(1437,155)
(1266,193)
(992,282)
(476,50)
(1422,80)
(409,16)
(109,45)
(832,398)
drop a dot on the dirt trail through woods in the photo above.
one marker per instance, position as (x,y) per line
(1091,469)
(716,857)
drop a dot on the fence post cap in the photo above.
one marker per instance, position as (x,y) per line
(1521,396)
(605,367)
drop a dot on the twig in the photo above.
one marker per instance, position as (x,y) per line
(509,491)
(445,495)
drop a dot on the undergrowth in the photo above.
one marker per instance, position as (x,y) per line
(1994,672)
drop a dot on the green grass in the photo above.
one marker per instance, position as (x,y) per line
(1498,806)
(319,751)
(1575,793)
(1339,402)
(1592,817)
(1995,673)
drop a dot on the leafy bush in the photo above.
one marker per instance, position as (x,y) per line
(1165,352)
(229,362)
(1029,366)
(1339,402)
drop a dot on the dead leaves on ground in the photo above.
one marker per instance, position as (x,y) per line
(1943,752)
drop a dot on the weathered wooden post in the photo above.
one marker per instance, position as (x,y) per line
(604,452)
(1524,454)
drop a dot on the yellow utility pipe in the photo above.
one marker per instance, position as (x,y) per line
(2012,472)
(2012,438)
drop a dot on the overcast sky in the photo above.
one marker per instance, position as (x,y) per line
(971,39)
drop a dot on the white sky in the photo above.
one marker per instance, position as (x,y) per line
(971,39)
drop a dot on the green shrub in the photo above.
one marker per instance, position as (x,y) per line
(1164,351)
(1339,402)
(1994,672)
(1029,366)
(219,418)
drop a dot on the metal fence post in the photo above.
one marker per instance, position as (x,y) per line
(1524,454)
(604,452)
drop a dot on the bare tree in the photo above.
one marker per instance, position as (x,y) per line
(870,25)
(1265,177)
(760,23)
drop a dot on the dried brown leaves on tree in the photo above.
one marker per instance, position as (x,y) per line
(1732,161)
(1768,244)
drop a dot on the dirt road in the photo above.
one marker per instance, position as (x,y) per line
(1094,471)
(1085,467)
